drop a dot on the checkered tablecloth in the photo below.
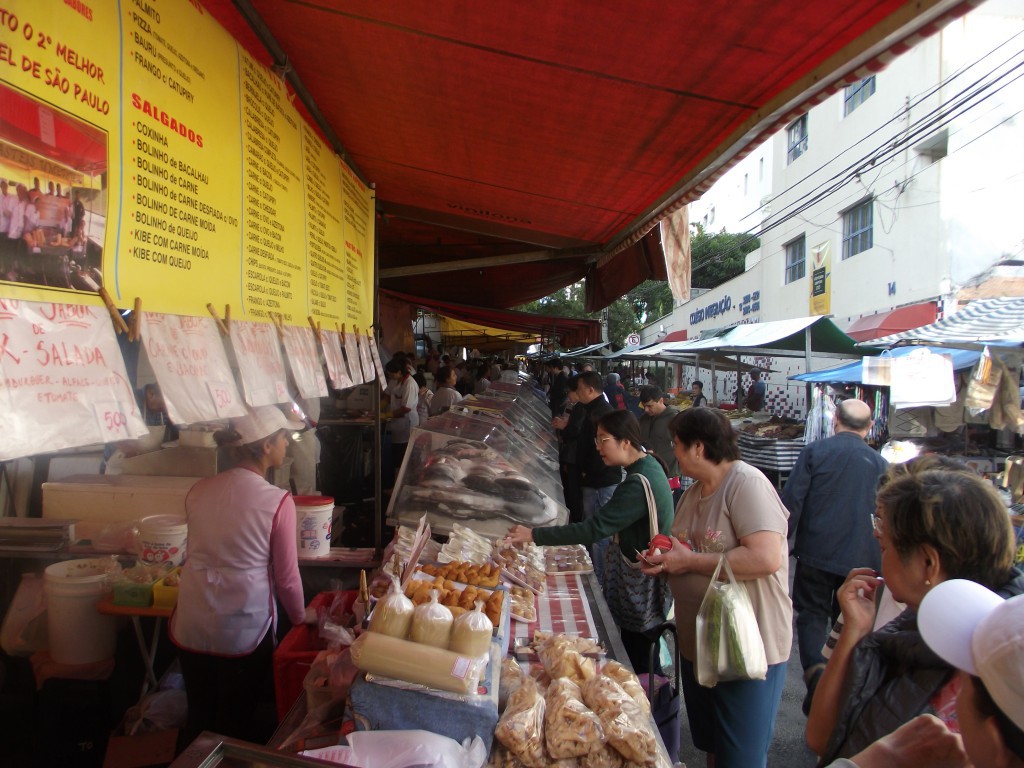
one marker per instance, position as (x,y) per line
(563,608)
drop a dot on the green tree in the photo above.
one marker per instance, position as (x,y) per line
(720,257)
(626,314)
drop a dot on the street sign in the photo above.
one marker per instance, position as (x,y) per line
(633,340)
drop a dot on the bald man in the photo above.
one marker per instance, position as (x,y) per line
(830,495)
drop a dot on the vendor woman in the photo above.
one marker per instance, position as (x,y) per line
(626,516)
(241,560)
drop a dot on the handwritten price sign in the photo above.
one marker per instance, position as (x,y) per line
(223,397)
(112,420)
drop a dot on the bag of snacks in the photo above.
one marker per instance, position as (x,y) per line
(471,632)
(431,623)
(393,612)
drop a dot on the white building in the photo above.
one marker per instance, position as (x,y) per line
(901,189)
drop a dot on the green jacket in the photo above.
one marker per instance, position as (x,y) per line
(625,514)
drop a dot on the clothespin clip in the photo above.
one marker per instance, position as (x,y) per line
(341,330)
(278,320)
(133,329)
(220,323)
(316,328)
(120,326)
(227,317)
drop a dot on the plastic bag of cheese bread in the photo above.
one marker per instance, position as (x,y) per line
(431,623)
(570,729)
(521,726)
(393,612)
(471,632)
(626,726)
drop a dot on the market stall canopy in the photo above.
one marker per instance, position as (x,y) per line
(783,338)
(986,321)
(521,147)
(570,331)
(853,373)
(482,337)
(894,321)
(591,350)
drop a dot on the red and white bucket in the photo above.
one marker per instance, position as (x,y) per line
(162,539)
(313,518)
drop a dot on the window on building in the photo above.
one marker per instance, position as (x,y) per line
(796,259)
(857,229)
(856,94)
(796,135)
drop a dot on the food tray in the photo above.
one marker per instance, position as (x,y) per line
(505,602)
(163,595)
(139,595)
(569,559)
(520,597)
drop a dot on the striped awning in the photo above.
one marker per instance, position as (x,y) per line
(998,321)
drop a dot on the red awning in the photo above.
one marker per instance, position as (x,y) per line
(571,332)
(51,134)
(894,321)
(674,336)
(542,141)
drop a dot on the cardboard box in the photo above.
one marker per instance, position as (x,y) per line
(144,750)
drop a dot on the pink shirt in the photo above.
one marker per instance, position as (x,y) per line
(241,553)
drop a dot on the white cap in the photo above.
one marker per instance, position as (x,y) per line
(976,630)
(262,422)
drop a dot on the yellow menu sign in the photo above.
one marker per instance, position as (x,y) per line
(143,151)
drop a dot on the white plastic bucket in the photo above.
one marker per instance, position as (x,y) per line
(313,518)
(162,539)
(78,634)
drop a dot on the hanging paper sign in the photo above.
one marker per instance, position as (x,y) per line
(378,366)
(264,379)
(877,371)
(922,378)
(336,367)
(364,358)
(62,380)
(191,366)
(300,348)
(352,356)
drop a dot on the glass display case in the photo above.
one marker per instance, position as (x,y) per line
(476,470)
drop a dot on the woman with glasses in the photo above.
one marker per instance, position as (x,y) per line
(932,525)
(625,516)
(733,510)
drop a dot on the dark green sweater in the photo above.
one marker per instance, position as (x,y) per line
(625,514)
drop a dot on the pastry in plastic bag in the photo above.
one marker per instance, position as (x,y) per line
(561,660)
(602,756)
(432,624)
(570,729)
(629,681)
(511,678)
(393,613)
(471,632)
(521,726)
(626,726)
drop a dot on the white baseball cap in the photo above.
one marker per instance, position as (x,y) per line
(976,630)
(262,422)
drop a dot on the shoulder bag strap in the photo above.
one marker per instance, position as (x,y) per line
(652,505)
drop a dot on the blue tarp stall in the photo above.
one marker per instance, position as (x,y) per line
(853,373)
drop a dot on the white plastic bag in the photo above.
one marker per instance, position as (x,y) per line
(729,645)
(404,749)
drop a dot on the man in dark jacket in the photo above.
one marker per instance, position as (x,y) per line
(597,479)
(558,387)
(614,393)
(654,431)
(830,495)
